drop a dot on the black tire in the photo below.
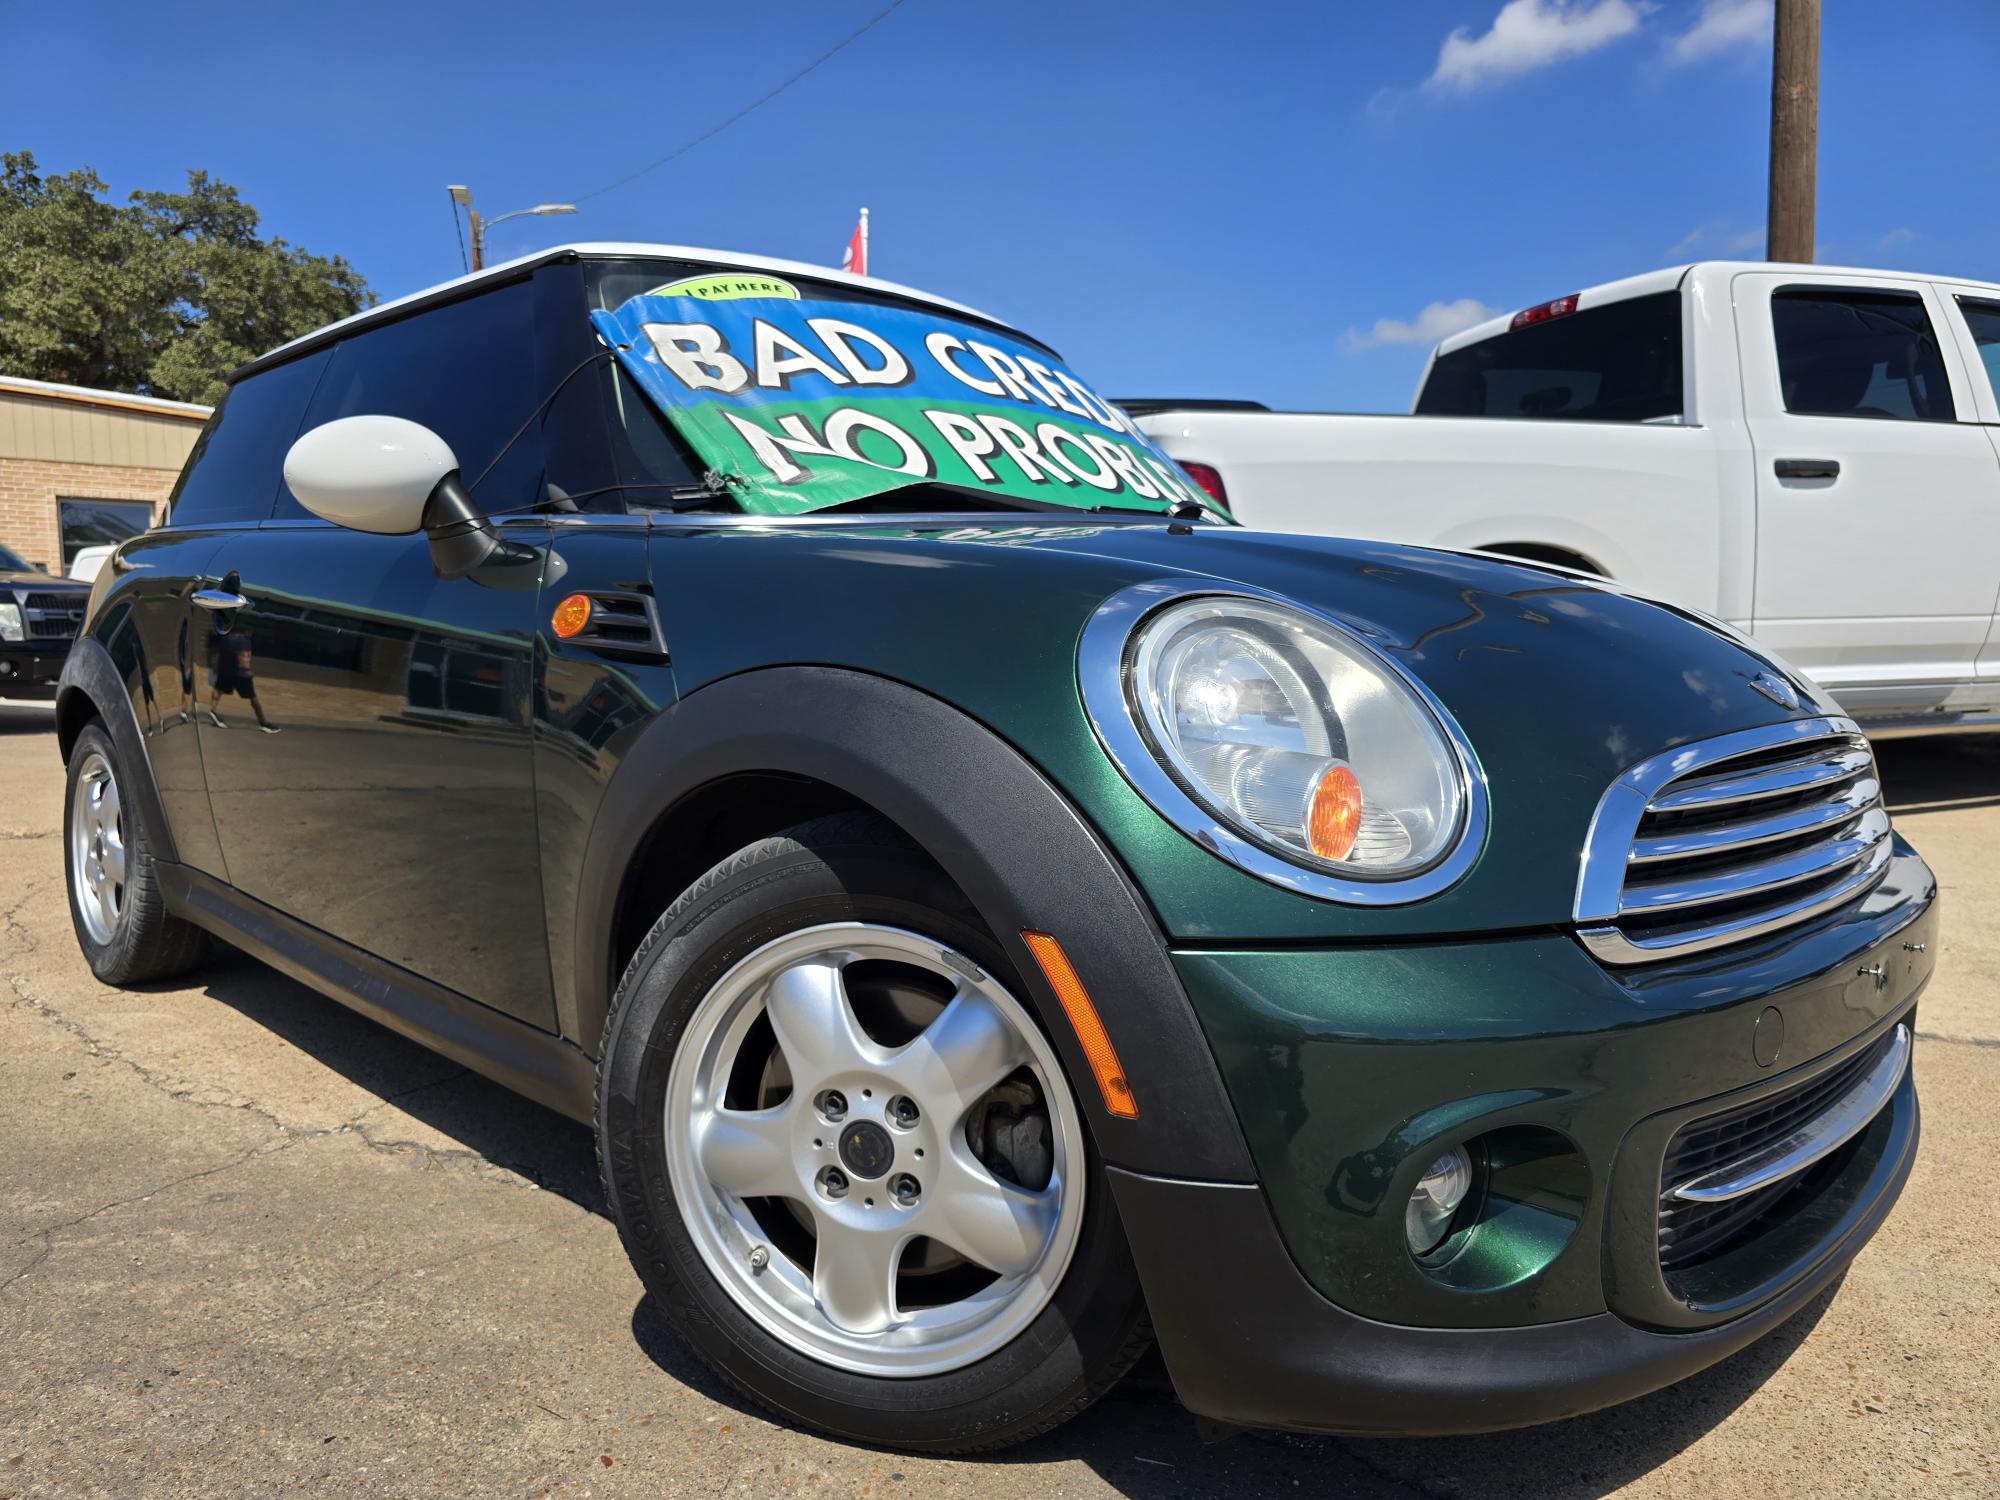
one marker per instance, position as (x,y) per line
(841,868)
(147,943)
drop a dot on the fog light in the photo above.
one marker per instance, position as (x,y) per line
(1439,1192)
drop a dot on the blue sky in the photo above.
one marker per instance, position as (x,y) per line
(1283,201)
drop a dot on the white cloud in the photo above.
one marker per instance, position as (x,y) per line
(1438,321)
(1722,26)
(1718,238)
(1531,34)
(1895,240)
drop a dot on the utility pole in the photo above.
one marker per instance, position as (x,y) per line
(462,196)
(1794,130)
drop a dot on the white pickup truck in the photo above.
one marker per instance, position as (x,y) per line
(1811,453)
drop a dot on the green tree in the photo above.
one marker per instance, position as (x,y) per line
(162,297)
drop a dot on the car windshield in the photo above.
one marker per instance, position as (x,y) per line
(13,562)
(799,398)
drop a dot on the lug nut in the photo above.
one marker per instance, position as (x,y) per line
(832,1106)
(904,1189)
(903,1112)
(832,1182)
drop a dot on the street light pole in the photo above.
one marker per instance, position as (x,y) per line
(462,196)
(1794,130)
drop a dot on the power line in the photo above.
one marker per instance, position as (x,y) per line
(755,104)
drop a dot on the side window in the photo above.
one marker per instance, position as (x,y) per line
(466,371)
(1983,318)
(1859,354)
(233,472)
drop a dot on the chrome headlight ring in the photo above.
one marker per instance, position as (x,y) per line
(1105,662)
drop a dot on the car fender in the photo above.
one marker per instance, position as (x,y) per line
(1000,830)
(89,675)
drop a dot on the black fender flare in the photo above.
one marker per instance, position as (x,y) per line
(90,673)
(1019,850)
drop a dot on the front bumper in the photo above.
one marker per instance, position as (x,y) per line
(31,669)
(1297,1305)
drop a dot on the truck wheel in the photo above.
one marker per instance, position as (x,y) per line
(845,1160)
(115,902)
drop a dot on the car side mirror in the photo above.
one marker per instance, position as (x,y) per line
(391,477)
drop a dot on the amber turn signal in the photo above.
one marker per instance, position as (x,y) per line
(1333,820)
(571,616)
(1084,1020)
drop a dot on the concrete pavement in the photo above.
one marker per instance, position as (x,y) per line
(251,1244)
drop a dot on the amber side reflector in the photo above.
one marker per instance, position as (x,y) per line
(571,615)
(1083,1019)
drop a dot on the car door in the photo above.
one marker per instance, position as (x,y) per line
(1973,313)
(365,723)
(1877,553)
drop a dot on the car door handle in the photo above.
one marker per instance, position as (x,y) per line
(220,599)
(1807,468)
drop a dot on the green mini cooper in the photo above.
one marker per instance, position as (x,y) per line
(994,911)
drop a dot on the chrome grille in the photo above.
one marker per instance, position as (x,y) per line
(1732,838)
(1693,1230)
(53,617)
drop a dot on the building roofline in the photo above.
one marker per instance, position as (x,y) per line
(152,406)
(612,250)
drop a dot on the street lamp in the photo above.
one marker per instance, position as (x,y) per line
(462,196)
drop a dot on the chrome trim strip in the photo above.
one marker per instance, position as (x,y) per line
(1612,946)
(1822,1135)
(1844,807)
(1767,782)
(1100,671)
(1936,721)
(1647,897)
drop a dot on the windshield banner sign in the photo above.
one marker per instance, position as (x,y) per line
(801,404)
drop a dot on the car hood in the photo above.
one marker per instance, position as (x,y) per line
(16,578)
(1558,682)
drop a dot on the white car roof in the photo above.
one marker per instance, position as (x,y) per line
(1670,277)
(639,250)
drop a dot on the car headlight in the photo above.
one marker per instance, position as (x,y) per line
(10,622)
(1288,745)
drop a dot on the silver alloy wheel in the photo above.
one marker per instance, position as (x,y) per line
(870,1150)
(97,848)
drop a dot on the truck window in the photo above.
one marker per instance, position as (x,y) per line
(232,474)
(1983,318)
(1617,363)
(1848,353)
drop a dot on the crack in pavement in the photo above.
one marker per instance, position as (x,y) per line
(1956,1039)
(460,1159)
(48,1249)
(49,1231)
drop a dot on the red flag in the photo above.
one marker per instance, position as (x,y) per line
(855,258)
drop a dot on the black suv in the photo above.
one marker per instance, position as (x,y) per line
(39,616)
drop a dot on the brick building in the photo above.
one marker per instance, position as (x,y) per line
(80,467)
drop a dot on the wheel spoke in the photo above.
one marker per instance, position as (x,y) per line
(106,805)
(113,858)
(959,1056)
(749,1152)
(815,1026)
(1000,1225)
(854,1275)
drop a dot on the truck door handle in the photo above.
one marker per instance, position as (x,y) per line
(219,599)
(1807,468)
